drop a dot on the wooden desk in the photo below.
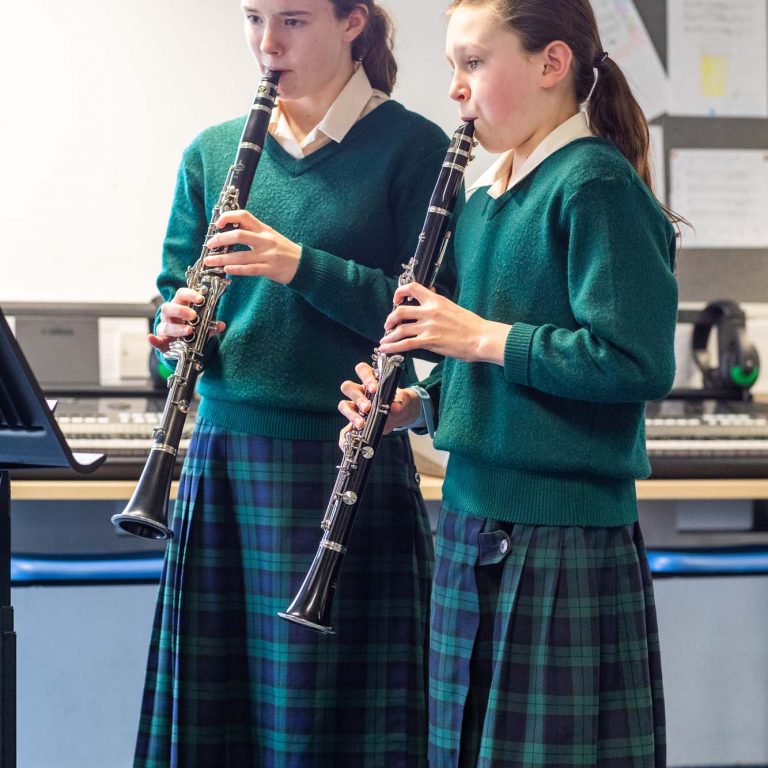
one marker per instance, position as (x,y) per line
(76,490)
(94,490)
(648,490)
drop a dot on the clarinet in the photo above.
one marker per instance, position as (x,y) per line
(312,605)
(146,513)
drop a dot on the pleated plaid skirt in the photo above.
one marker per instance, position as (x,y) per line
(544,648)
(229,684)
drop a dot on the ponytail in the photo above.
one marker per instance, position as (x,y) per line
(615,114)
(373,47)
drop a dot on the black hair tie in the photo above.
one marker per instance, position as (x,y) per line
(599,59)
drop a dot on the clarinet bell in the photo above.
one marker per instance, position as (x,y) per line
(145,514)
(139,524)
(311,608)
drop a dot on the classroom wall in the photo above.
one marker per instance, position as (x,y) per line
(709,274)
(100,100)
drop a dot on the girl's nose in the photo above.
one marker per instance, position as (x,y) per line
(458,90)
(270,43)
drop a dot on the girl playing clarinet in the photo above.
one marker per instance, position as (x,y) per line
(336,207)
(544,646)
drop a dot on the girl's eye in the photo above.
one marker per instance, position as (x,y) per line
(292,23)
(473,64)
(252,19)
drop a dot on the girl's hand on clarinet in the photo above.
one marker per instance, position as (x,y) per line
(269,253)
(404,410)
(439,325)
(175,318)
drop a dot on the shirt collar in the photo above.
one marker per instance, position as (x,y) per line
(340,117)
(495,178)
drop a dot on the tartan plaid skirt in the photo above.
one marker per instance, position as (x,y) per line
(544,648)
(229,684)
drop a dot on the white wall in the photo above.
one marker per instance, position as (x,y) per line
(99,100)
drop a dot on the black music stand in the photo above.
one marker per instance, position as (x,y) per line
(29,437)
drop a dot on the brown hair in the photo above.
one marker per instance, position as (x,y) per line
(612,109)
(373,47)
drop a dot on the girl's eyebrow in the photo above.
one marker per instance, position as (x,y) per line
(472,45)
(282,13)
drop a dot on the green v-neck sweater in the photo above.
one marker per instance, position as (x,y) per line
(357,209)
(579,259)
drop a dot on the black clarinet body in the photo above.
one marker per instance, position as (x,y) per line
(312,605)
(146,513)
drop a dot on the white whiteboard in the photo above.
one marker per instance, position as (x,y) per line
(99,99)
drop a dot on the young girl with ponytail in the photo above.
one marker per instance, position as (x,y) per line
(544,646)
(335,209)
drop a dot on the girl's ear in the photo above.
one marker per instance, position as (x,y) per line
(557,59)
(356,23)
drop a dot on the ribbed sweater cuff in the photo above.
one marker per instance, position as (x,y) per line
(517,353)
(319,276)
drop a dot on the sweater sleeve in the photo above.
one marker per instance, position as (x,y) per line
(187,225)
(333,285)
(623,297)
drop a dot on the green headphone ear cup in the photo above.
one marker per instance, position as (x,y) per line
(743,378)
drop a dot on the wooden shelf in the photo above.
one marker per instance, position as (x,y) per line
(76,490)
(93,490)
(648,490)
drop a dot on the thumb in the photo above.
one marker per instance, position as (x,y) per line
(158,342)
(411,291)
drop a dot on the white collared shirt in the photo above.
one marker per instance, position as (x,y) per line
(356,100)
(498,178)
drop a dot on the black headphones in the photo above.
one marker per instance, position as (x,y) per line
(738,364)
